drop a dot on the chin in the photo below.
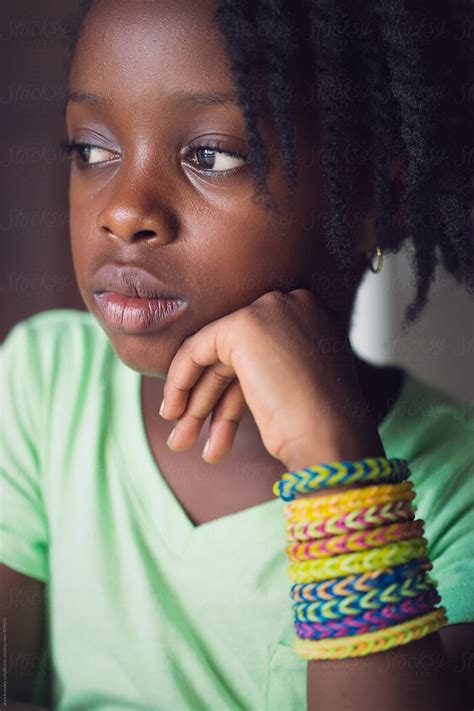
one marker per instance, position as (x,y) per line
(144,355)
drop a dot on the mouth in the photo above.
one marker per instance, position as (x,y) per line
(131,300)
(131,314)
(133,281)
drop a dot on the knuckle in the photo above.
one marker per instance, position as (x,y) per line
(231,405)
(266,303)
(230,338)
(172,383)
(200,415)
(304,294)
(271,297)
(188,343)
(300,292)
(231,419)
(219,377)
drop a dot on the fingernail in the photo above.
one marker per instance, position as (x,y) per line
(206,448)
(162,407)
(170,438)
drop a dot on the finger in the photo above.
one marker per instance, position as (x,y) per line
(202,399)
(195,354)
(225,421)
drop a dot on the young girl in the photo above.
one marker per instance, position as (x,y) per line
(236,168)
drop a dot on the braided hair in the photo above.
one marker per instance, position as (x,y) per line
(392,87)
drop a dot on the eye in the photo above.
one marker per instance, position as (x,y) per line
(214,159)
(86,154)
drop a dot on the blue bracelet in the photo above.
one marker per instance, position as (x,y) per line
(344,472)
(345,585)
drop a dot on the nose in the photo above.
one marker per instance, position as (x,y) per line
(134,211)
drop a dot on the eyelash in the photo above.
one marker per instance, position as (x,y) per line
(72,149)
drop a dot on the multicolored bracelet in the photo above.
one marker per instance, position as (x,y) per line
(341,473)
(356,541)
(369,620)
(349,563)
(308,508)
(355,604)
(356,520)
(373,581)
(358,560)
(371,642)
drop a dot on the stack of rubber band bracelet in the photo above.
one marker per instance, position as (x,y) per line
(358,560)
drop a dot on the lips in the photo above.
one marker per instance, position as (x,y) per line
(130,300)
(132,281)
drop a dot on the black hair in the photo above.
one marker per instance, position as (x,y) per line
(392,84)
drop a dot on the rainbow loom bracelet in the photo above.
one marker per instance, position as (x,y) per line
(369,621)
(343,472)
(327,611)
(355,520)
(317,507)
(372,600)
(349,563)
(355,541)
(360,584)
(379,641)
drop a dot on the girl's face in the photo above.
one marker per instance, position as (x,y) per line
(145,195)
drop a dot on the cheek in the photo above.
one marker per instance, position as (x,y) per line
(280,251)
(254,255)
(83,247)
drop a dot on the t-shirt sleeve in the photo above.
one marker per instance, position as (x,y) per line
(447,507)
(23,521)
(452,550)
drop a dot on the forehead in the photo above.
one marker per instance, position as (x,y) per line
(143,56)
(142,46)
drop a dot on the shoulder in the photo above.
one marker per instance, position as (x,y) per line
(424,409)
(431,428)
(53,354)
(442,454)
(53,325)
(49,337)
(434,431)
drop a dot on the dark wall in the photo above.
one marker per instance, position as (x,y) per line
(36,270)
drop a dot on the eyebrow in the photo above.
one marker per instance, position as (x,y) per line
(189,99)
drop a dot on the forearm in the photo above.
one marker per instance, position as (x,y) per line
(412,676)
(415,675)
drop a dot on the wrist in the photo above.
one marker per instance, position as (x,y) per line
(351,448)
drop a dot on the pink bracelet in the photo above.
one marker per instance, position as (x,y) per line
(357,541)
(370,620)
(356,520)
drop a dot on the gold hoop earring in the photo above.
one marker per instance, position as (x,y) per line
(379,254)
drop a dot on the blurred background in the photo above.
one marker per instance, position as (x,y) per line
(36,270)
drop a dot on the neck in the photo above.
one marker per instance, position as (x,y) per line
(380,385)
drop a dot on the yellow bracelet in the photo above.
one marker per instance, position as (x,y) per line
(356,520)
(315,507)
(355,541)
(370,642)
(349,563)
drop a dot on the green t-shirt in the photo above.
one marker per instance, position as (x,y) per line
(145,610)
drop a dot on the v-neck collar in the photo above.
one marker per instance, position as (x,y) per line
(159,503)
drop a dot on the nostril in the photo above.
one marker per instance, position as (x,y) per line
(145,233)
(129,234)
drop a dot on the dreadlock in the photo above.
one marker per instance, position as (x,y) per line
(393,84)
